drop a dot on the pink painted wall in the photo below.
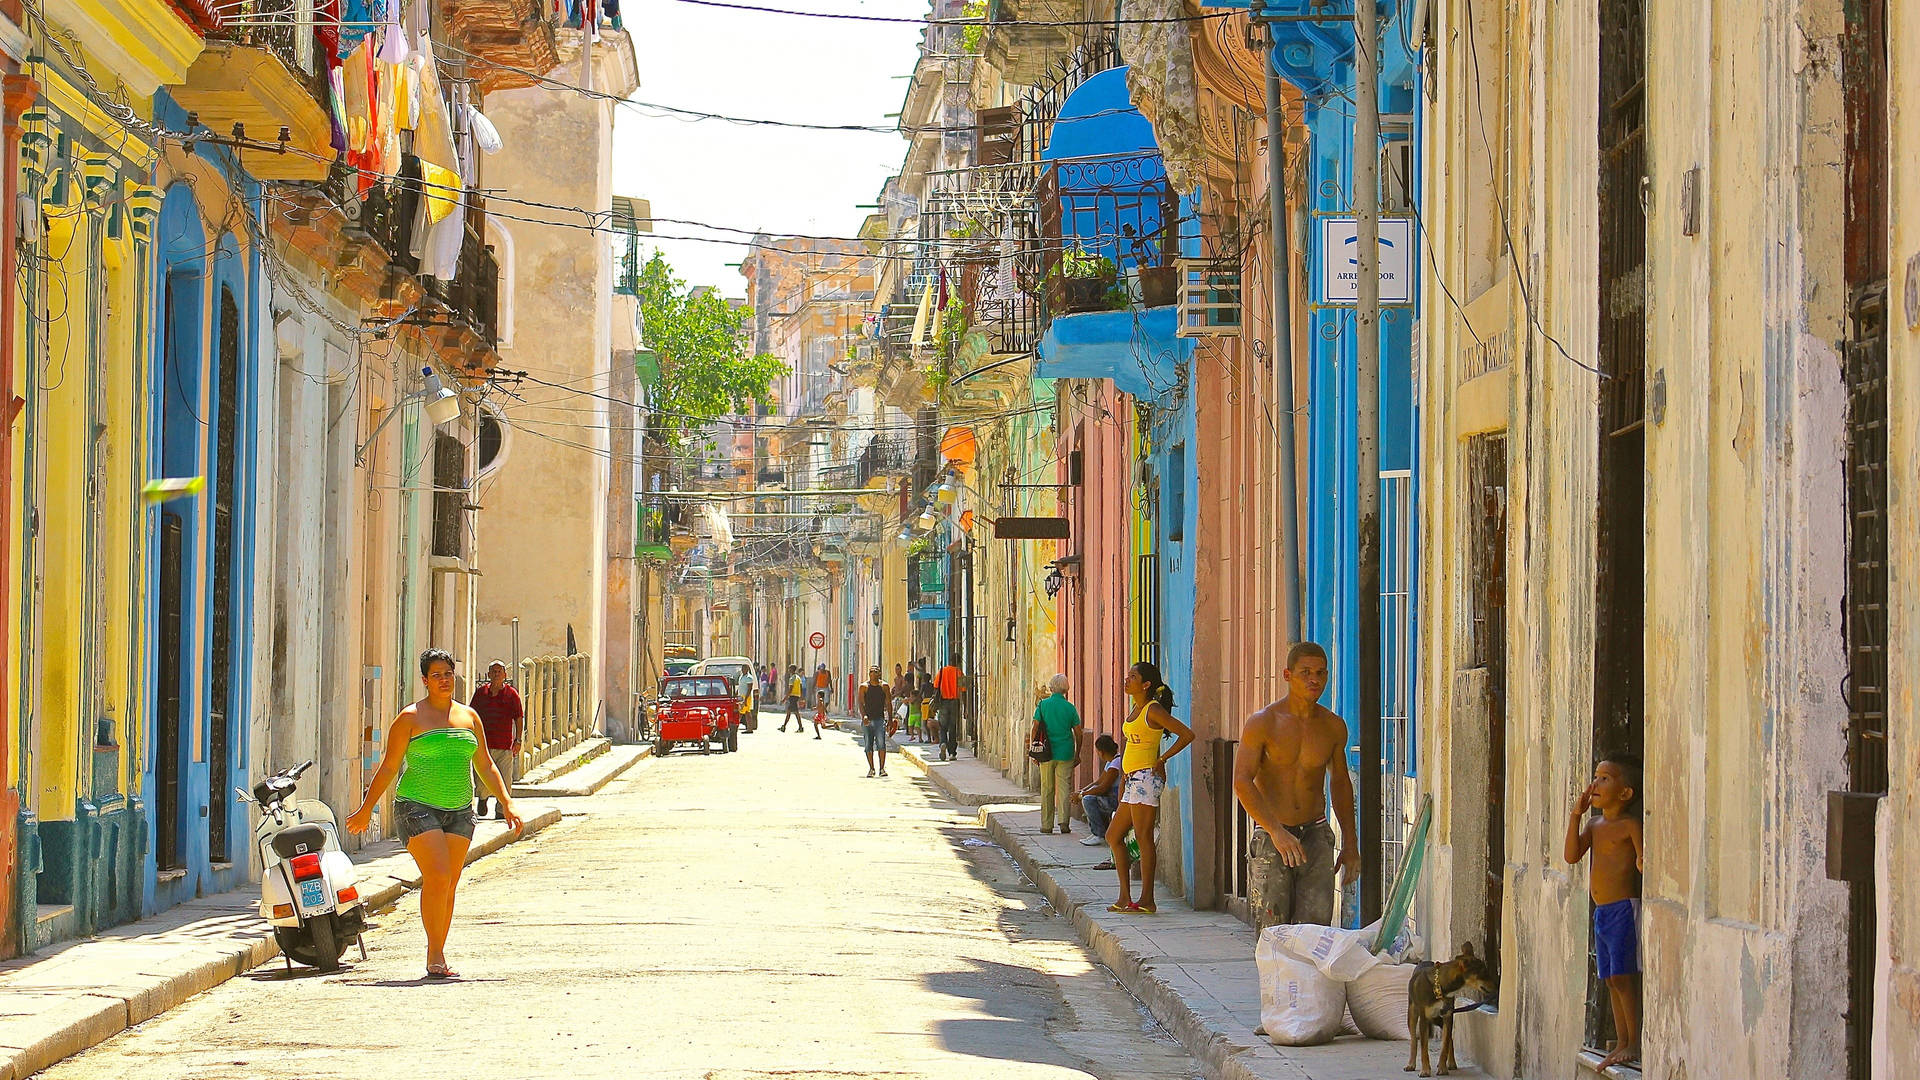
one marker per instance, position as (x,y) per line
(1094,638)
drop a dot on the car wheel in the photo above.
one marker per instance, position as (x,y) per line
(662,747)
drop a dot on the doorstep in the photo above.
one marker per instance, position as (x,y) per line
(81,993)
(1193,969)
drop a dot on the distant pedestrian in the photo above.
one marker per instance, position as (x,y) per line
(899,692)
(923,690)
(875,697)
(437,740)
(820,714)
(822,679)
(1102,797)
(1057,722)
(505,720)
(948,686)
(1145,767)
(796,691)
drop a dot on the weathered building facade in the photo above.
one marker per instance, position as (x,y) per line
(1655,426)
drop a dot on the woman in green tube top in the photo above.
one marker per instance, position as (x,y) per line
(436,739)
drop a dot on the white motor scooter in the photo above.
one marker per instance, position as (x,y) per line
(307,889)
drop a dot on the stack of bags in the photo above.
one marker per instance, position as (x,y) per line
(1312,977)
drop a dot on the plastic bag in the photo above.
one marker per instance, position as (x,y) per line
(1338,953)
(1299,1004)
(1378,1001)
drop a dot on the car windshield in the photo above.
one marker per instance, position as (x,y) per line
(686,688)
(731,671)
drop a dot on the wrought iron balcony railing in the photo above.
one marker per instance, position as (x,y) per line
(885,456)
(1104,220)
(284,28)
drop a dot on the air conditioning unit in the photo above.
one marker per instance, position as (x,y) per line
(1210,298)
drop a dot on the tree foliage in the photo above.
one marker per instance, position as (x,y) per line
(706,371)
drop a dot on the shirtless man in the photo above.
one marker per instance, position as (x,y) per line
(1291,753)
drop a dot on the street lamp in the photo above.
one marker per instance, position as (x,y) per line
(442,408)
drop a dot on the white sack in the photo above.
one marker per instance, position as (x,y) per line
(1299,1005)
(1378,1001)
(1340,954)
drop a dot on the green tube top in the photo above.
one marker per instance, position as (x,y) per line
(439,769)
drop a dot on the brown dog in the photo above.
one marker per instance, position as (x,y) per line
(1430,995)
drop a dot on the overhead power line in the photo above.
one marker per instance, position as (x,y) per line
(910,20)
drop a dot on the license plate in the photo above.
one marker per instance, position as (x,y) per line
(313,893)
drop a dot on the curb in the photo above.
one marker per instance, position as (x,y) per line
(105,1011)
(1215,1049)
(951,790)
(591,776)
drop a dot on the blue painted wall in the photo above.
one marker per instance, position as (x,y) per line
(183,443)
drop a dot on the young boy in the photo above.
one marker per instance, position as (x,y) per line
(1102,797)
(819,714)
(1619,857)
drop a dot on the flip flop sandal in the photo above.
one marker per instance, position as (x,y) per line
(1124,909)
(1145,909)
(441,971)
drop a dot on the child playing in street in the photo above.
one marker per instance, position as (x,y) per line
(819,714)
(1619,856)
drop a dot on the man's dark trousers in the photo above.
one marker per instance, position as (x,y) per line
(950,726)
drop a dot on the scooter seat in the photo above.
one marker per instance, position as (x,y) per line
(300,840)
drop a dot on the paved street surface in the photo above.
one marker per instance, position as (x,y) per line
(770,913)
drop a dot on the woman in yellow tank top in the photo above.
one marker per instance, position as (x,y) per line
(1145,769)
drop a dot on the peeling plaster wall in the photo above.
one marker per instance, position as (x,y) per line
(1743,937)
(543,532)
(1897,1013)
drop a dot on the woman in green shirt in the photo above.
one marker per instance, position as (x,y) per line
(437,739)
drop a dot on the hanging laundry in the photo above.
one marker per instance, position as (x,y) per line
(433,139)
(385,76)
(393,39)
(359,106)
(485,135)
(337,110)
(357,19)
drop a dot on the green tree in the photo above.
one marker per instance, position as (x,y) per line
(706,371)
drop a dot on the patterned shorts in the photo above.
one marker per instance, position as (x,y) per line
(1143,788)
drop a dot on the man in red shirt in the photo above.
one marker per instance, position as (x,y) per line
(948,686)
(505,721)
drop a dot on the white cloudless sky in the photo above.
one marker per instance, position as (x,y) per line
(759,65)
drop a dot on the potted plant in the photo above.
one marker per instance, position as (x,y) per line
(1159,286)
(1080,282)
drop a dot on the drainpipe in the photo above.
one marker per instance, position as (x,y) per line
(1282,350)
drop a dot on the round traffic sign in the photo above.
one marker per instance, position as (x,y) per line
(817,639)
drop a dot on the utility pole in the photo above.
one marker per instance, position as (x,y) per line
(1282,349)
(1366,325)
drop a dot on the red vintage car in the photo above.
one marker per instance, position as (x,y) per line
(696,709)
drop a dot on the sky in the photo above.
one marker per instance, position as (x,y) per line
(762,66)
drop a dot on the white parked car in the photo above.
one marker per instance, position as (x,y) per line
(746,684)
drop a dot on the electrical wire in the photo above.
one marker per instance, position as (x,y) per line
(910,20)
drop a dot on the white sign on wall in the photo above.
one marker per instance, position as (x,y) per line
(1340,260)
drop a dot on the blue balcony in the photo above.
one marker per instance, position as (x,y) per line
(1112,227)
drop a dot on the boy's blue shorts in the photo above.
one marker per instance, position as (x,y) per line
(1616,938)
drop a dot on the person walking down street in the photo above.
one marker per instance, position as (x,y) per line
(819,713)
(822,680)
(796,690)
(1145,766)
(923,693)
(1058,722)
(505,721)
(948,686)
(1290,764)
(1102,797)
(433,747)
(875,698)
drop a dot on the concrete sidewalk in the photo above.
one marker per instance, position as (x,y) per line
(62,1001)
(1193,969)
(582,771)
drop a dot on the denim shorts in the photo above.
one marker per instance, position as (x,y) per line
(416,818)
(874,734)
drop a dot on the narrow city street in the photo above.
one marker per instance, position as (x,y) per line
(769,913)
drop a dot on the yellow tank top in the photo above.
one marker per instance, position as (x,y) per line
(1143,743)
